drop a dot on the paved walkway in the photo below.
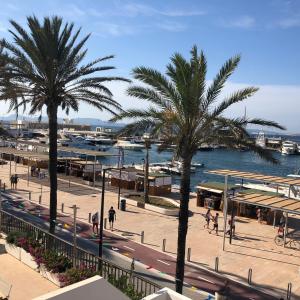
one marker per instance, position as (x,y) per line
(195,277)
(26,283)
(273,267)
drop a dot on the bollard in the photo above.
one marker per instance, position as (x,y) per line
(90,217)
(4,187)
(105,223)
(69,182)
(164,245)
(189,254)
(142,237)
(29,196)
(62,207)
(289,291)
(217,264)
(40,199)
(250,276)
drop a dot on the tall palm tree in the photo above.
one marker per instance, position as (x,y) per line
(188,113)
(44,69)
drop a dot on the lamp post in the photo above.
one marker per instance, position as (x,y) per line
(146,171)
(101,214)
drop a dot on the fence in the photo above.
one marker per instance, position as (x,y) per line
(10,223)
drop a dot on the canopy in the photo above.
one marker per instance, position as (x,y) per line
(257,177)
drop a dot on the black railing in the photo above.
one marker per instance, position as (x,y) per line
(108,270)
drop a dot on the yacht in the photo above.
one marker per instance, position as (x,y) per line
(261,140)
(78,141)
(289,147)
(100,140)
(128,145)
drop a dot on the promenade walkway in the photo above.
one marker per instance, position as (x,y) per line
(273,267)
(26,283)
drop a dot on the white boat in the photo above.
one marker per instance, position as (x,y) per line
(261,139)
(78,141)
(128,145)
(289,147)
(100,140)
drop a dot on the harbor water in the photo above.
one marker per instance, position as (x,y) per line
(216,159)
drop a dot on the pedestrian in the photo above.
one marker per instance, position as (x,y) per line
(259,215)
(32,171)
(281,226)
(95,221)
(12,181)
(207,218)
(216,224)
(111,218)
(231,225)
(16,179)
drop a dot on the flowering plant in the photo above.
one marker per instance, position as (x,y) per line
(77,274)
(54,262)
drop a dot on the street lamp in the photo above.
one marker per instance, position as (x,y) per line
(102,209)
(146,137)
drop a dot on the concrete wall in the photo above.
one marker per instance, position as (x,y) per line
(95,288)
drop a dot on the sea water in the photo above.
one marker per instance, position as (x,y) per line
(217,159)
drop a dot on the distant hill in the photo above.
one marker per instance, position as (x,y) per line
(81,121)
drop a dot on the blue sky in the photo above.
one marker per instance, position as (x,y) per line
(265,33)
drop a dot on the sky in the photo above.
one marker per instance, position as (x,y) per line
(265,34)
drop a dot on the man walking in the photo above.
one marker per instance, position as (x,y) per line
(111,218)
(216,224)
(95,221)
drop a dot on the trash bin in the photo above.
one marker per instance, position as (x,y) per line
(123,204)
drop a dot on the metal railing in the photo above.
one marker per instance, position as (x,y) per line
(108,270)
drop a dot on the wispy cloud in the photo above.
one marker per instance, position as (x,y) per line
(172,26)
(183,13)
(244,22)
(106,29)
(289,22)
(72,11)
(138,9)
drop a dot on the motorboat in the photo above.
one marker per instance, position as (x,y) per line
(206,147)
(289,148)
(79,141)
(100,140)
(261,140)
(129,145)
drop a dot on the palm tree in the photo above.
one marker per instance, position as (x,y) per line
(187,114)
(44,68)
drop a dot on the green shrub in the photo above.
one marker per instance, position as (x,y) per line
(74,275)
(54,262)
(124,286)
(13,237)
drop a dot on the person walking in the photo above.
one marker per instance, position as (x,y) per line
(16,179)
(207,218)
(259,215)
(95,221)
(12,181)
(216,224)
(281,226)
(233,226)
(111,218)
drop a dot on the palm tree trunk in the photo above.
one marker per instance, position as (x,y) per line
(52,116)
(183,222)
